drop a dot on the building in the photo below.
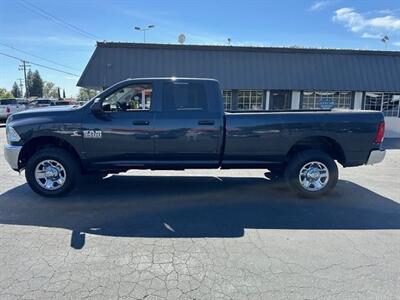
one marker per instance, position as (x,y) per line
(263,78)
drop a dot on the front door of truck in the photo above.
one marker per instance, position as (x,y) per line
(121,136)
(188,130)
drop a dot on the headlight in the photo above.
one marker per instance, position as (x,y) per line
(12,135)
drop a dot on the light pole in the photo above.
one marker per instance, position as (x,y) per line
(144,31)
(385,39)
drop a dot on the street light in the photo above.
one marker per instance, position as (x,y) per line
(385,39)
(144,31)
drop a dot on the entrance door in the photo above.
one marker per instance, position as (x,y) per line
(280,100)
(122,135)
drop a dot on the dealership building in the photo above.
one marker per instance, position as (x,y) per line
(263,78)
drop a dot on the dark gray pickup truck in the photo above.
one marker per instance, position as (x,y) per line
(179,123)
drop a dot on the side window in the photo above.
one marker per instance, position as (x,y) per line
(136,97)
(181,96)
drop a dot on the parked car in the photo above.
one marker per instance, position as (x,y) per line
(42,103)
(65,102)
(180,123)
(10,106)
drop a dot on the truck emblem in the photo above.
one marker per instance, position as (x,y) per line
(92,134)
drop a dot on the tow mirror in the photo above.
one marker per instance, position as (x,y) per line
(96,107)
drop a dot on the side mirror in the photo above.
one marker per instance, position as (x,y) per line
(96,107)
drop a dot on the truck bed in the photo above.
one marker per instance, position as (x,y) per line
(254,137)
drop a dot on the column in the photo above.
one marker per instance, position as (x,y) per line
(295,100)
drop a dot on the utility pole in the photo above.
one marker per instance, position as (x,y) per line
(23,67)
(21,86)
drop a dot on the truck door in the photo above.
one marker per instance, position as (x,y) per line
(121,136)
(188,128)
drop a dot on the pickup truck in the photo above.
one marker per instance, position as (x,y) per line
(179,123)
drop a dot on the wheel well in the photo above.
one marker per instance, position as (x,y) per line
(38,143)
(325,144)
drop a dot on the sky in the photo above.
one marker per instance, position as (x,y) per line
(63,34)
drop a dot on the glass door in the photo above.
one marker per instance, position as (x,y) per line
(280,100)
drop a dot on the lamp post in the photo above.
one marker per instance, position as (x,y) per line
(144,31)
(385,39)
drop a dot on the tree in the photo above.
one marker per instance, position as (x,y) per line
(50,90)
(29,76)
(86,94)
(16,90)
(5,94)
(58,93)
(64,94)
(35,84)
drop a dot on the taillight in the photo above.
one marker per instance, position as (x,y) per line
(380,133)
(8,109)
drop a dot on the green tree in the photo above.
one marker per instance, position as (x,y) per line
(50,90)
(16,90)
(86,94)
(29,76)
(64,94)
(5,94)
(35,84)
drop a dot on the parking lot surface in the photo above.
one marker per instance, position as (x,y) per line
(202,234)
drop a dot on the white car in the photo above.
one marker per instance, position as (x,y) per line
(10,106)
(42,103)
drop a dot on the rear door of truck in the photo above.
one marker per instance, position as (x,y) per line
(189,125)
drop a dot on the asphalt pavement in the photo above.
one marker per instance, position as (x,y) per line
(202,234)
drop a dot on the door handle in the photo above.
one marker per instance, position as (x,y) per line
(141,122)
(206,122)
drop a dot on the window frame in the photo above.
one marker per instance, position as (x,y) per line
(336,96)
(249,97)
(381,98)
(225,98)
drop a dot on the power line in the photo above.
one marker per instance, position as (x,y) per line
(39,65)
(42,58)
(57,20)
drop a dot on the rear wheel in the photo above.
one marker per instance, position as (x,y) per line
(52,172)
(312,173)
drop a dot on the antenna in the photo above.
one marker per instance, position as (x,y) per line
(181,38)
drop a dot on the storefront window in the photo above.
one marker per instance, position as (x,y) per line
(388,103)
(250,100)
(327,100)
(227,95)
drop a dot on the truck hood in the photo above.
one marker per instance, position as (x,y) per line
(48,109)
(41,112)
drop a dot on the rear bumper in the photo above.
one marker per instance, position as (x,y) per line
(375,157)
(11,154)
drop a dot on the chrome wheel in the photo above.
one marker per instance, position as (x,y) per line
(50,174)
(314,176)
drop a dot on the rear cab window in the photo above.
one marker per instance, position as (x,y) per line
(184,96)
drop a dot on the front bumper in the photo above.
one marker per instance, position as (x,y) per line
(11,153)
(375,157)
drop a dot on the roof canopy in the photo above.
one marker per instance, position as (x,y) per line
(247,67)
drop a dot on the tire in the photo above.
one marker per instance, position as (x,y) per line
(55,161)
(312,173)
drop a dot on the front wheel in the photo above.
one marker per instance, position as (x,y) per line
(312,173)
(52,172)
